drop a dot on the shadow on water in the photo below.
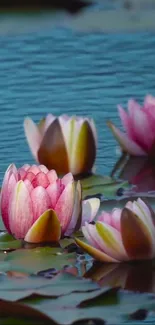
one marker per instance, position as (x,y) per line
(138,276)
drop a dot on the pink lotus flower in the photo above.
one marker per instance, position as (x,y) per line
(121,235)
(139,139)
(38,206)
(66,144)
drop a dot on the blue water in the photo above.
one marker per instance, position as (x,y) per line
(61,70)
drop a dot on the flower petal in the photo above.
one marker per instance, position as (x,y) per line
(40,202)
(75,222)
(20,211)
(34,169)
(67,179)
(90,208)
(64,206)
(126,144)
(126,121)
(135,236)
(54,192)
(52,152)
(33,136)
(52,176)
(111,241)
(9,182)
(84,154)
(45,229)
(96,253)
(40,179)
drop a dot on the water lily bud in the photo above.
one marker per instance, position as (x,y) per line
(66,144)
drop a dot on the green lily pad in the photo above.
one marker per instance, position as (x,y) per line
(2,227)
(109,305)
(8,242)
(13,289)
(36,259)
(101,185)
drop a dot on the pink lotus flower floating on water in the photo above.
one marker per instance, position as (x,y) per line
(66,144)
(139,124)
(121,235)
(39,207)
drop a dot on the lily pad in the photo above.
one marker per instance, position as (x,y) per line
(109,305)
(2,227)
(64,283)
(35,260)
(8,242)
(97,185)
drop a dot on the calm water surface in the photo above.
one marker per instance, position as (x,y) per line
(62,70)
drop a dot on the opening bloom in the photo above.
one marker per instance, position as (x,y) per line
(66,144)
(122,235)
(138,123)
(38,206)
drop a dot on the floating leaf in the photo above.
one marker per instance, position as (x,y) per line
(2,227)
(35,260)
(13,289)
(97,185)
(8,242)
(109,305)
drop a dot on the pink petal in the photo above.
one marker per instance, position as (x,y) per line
(33,136)
(64,206)
(34,169)
(40,180)
(105,217)
(116,218)
(132,107)
(30,176)
(110,241)
(68,178)
(52,176)
(8,186)
(149,101)
(40,202)
(26,167)
(126,144)
(126,121)
(142,126)
(54,192)
(28,185)
(22,173)
(87,234)
(20,211)
(90,208)
(75,222)
(43,169)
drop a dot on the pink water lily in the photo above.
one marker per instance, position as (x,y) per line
(139,139)
(38,206)
(66,144)
(122,235)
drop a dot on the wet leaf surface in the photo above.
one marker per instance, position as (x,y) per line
(97,185)
(7,242)
(35,260)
